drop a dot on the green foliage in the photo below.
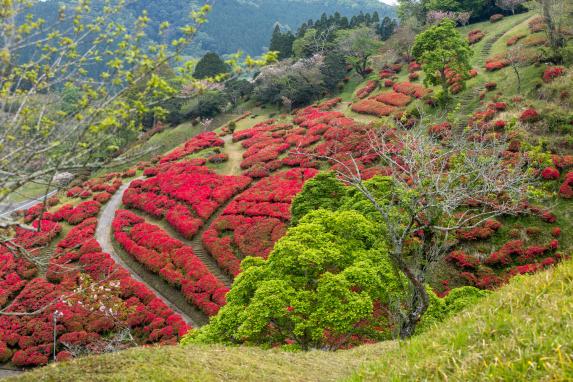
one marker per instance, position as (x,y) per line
(323,191)
(320,281)
(210,66)
(358,45)
(333,71)
(209,104)
(441,308)
(441,47)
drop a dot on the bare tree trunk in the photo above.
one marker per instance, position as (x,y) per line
(419,303)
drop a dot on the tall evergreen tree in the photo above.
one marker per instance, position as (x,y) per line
(387,28)
(282,42)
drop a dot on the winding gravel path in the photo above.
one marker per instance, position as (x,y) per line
(103,236)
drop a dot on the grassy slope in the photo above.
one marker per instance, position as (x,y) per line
(524,331)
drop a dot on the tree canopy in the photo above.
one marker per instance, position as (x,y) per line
(441,48)
(325,282)
(210,65)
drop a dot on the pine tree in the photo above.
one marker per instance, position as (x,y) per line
(282,42)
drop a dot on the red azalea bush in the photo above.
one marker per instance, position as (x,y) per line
(195,144)
(411,89)
(482,232)
(529,115)
(372,107)
(552,72)
(184,194)
(414,66)
(394,99)
(475,36)
(566,189)
(494,64)
(440,131)
(218,158)
(514,39)
(388,83)
(462,260)
(490,85)
(367,89)
(329,104)
(550,173)
(413,76)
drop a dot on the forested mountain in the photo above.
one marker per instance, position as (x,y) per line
(247,24)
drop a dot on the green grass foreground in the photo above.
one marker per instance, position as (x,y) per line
(522,332)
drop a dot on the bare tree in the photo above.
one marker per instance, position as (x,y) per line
(436,189)
(509,5)
(555,14)
(518,57)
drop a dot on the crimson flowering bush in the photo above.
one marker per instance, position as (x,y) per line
(462,260)
(529,115)
(566,189)
(441,130)
(195,144)
(482,232)
(490,86)
(550,173)
(218,158)
(329,104)
(171,259)
(475,36)
(552,72)
(251,236)
(83,211)
(562,161)
(494,64)
(411,89)
(515,39)
(414,66)
(373,107)
(367,89)
(394,99)
(386,74)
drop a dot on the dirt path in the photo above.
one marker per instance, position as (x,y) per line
(235,153)
(103,236)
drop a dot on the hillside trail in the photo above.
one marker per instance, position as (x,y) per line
(234,150)
(466,98)
(164,292)
(103,236)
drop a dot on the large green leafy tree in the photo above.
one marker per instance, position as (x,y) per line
(210,65)
(358,45)
(439,48)
(323,284)
(323,191)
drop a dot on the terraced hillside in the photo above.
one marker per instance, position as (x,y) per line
(167,236)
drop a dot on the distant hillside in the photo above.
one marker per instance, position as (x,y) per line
(247,24)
